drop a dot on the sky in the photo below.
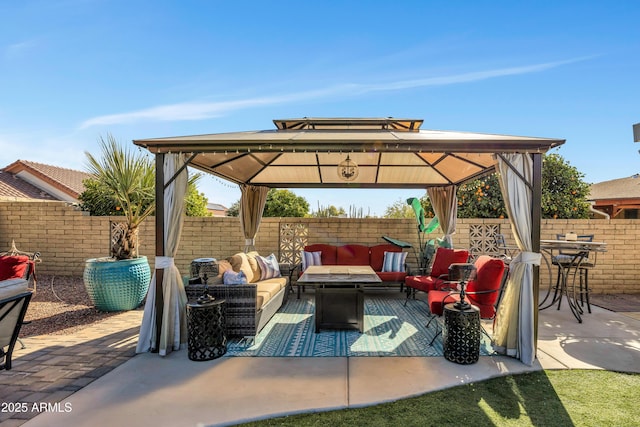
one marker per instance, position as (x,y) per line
(73,71)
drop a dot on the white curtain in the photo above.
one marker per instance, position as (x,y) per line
(514,324)
(252,201)
(445,205)
(173,335)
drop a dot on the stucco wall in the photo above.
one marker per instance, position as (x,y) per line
(66,237)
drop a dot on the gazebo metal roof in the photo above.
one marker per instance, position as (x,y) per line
(306,152)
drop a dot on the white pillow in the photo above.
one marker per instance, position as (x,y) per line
(269,267)
(394,261)
(310,258)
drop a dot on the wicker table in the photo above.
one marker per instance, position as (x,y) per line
(206,335)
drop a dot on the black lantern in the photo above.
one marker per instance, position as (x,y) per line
(348,169)
(462,273)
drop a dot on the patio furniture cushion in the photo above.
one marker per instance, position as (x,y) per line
(269,267)
(445,257)
(11,287)
(255,267)
(377,255)
(482,292)
(13,267)
(392,276)
(230,277)
(310,258)
(425,283)
(394,261)
(352,255)
(329,253)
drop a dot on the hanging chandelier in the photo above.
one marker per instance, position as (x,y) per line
(348,169)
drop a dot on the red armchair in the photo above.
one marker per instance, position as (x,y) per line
(482,292)
(437,278)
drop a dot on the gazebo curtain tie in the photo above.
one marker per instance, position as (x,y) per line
(533,258)
(164,262)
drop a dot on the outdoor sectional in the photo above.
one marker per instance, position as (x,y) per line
(354,254)
(248,306)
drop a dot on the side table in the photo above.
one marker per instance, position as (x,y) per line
(461,334)
(206,329)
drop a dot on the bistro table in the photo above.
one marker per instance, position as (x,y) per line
(579,253)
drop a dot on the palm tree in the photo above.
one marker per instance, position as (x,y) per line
(130,179)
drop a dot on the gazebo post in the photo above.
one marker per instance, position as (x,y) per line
(159,246)
(536,219)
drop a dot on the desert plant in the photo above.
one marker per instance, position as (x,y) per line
(129,178)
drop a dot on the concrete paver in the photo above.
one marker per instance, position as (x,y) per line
(116,388)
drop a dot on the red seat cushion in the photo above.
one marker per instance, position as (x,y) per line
(438,299)
(377,254)
(13,267)
(353,255)
(392,276)
(424,283)
(329,254)
(445,257)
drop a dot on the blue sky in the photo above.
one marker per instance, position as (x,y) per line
(73,70)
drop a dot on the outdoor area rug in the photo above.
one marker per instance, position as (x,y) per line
(390,329)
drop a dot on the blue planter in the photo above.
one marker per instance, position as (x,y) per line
(117,285)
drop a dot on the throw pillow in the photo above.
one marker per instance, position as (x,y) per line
(310,258)
(13,267)
(394,261)
(230,277)
(269,267)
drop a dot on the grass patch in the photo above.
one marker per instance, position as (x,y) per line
(544,398)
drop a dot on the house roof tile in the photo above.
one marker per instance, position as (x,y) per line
(621,188)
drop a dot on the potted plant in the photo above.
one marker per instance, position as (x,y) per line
(126,180)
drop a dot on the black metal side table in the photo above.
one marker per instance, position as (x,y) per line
(461,334)
(206,329)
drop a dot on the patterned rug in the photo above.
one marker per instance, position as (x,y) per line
(390,329)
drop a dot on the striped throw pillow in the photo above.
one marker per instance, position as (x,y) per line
(394,261)
(269,267)
(310,258)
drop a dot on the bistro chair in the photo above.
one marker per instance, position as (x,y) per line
(566,259)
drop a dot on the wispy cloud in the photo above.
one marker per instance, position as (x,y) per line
(16,49)
(207,110)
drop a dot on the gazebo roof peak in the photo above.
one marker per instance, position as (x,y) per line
(346,123)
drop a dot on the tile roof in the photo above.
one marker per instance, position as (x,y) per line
(66,180)
(13,187)
(621,188)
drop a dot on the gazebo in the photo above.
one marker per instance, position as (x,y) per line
(351,153)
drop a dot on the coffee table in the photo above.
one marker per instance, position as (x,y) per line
(339,293)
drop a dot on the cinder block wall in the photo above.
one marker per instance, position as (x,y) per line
(66,237)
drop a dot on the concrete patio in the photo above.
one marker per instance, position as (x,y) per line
(98,383)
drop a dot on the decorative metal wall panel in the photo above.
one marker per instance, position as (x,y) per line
(293,239)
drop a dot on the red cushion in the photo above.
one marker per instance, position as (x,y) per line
(392,276)
(424,283)
(377,254)
(328,256)
(490,274)
(436,303)
(445,257)
(353,255)
(436,306)
(13,267)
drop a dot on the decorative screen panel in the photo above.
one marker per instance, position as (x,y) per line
(293,239)
(482,241)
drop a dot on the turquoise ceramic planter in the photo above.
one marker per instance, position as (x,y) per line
(117,285)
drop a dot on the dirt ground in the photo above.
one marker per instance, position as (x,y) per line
(60,306)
